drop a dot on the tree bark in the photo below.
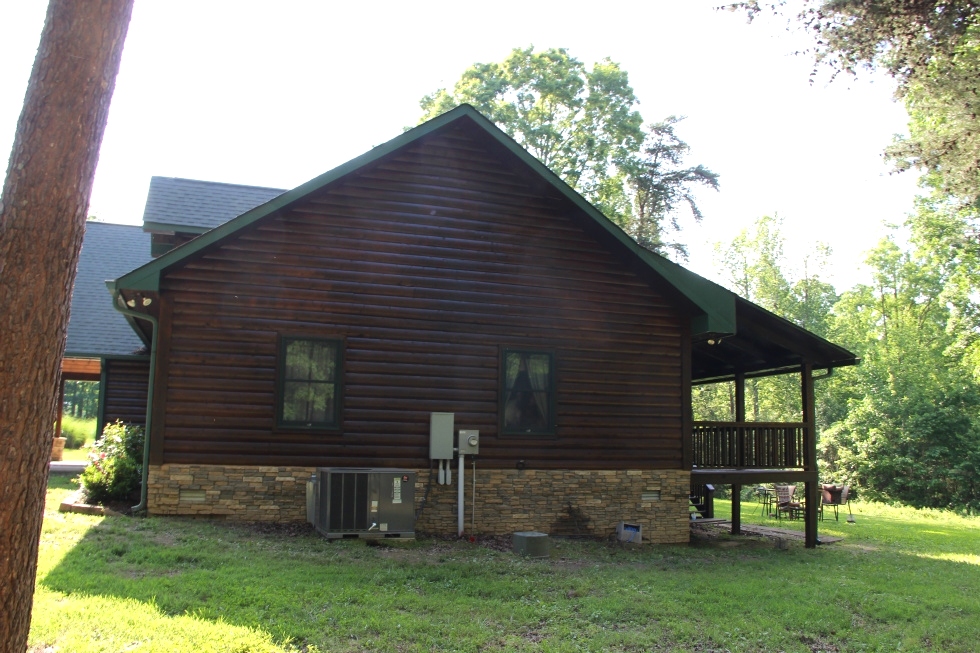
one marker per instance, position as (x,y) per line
(42,220)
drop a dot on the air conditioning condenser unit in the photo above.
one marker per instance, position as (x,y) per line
(366,503)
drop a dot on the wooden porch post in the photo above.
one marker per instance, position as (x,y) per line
(61,404)
(739,417)
(739,397)
(810,453)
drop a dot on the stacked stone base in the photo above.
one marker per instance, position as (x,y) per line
(559,502)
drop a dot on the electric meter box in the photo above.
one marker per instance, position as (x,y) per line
(441,427)
(469,442)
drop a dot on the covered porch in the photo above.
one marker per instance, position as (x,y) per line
(741,452)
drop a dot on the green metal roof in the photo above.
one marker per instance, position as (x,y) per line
(714,305)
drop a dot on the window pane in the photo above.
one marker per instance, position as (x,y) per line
(309,382)
(542,402)
(308,403)
(539,367)
(527,392)
(321,403)
(512,362)
(298,359)
(322,361)
(296,402)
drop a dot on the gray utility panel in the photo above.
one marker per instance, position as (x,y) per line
(366,503)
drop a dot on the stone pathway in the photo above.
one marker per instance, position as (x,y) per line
(67,466)
(762,531)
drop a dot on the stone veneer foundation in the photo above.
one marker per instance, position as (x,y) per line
(559,502)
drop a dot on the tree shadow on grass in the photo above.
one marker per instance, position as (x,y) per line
(298,588)
(203,570)
(287,582)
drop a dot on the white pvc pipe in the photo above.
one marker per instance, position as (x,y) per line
(461,507)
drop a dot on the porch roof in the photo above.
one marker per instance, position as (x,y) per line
(763,344)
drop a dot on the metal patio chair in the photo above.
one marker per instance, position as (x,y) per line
(786,503)
(835,496)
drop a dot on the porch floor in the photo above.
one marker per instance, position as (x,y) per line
(701,475)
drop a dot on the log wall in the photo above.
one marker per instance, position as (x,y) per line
(125,391)
(426,264)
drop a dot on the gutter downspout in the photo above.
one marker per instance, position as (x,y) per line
(120,305)
(829,373)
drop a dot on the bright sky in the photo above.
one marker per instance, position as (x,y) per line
(274,94)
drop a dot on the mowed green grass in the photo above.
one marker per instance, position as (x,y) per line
(901,580)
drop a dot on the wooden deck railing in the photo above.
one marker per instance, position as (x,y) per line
(750,445)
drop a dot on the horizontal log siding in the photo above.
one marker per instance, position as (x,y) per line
(426,265)
(126,383)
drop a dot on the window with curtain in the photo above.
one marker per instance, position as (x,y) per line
(527,393)
(309,395)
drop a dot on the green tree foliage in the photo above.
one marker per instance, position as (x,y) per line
(903,36)
(755,265)
(580,123)
(905,424)
(659,184)
(932,48)
(912,428)
(81,399)
(944,134)
(584,126)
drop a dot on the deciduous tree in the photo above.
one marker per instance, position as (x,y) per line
(943,101)
(581,123)
(659,184)
(584,126)
(912,429)
(756,268)
(932,49)
(42,215)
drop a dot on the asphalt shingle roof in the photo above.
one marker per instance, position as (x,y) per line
(95,328)
(199,205)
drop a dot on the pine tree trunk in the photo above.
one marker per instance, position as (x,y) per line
(42,220)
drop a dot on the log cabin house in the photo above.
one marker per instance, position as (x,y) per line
(447,270)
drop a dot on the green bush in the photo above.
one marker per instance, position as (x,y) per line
(115,464)
(77,431)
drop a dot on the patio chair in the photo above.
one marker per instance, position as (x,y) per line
(835,496)
(786,503)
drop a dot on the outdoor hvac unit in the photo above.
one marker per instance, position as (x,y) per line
(369,503)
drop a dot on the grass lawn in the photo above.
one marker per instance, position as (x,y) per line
(902,580)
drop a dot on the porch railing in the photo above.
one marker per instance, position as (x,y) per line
(750,445)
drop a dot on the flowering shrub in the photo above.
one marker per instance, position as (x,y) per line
(115,464)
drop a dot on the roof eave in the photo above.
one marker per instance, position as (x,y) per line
(169,228)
